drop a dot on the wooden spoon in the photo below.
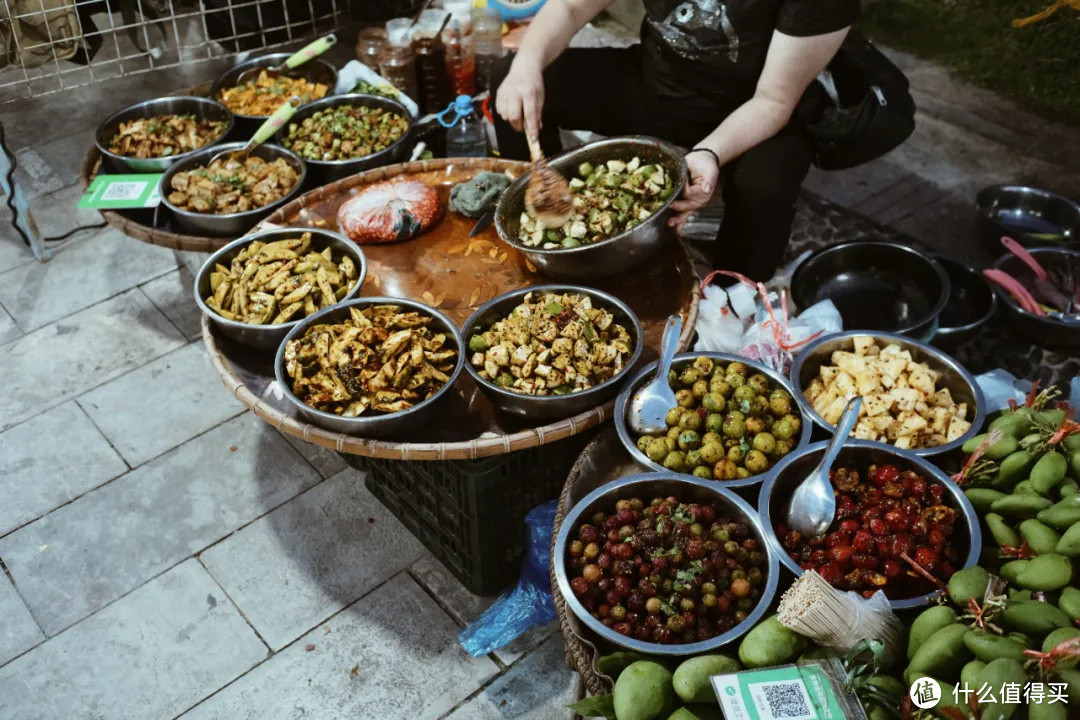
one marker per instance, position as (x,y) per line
(547,197)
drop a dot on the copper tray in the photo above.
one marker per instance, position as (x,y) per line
(445,269)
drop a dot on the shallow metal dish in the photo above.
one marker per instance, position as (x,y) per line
(268,337)
(685,489)
(235,223)
(200,107)
(316,70)
(382,425)
(626,437)
(793,469)
(954,376)
(875,285)
(550,407)
(972,303)
(617,253)
(1044,331)
(1032,216)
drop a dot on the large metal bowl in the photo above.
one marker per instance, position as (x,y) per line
(622,410)
(269,337)
(954,376)
(617,253)
(376,426)
(687,490)
(324,171)
(876,285)
(1032,216)
(234,224)
(316,70)
(202,108)
(972,303)
(1045,331)
(778,488)
(550,407)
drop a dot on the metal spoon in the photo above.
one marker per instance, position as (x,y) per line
(298,58)
(265,131)
(651,403)
(813,505)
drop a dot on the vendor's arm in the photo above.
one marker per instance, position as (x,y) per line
(521,95)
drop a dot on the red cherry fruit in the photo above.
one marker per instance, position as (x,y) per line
(863,541)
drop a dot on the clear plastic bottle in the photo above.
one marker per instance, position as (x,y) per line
(433,91)
(398,64)
(370,44)
(460,47)
(465,136)
(487,31)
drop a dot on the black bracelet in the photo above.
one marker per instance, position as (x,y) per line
(715,156)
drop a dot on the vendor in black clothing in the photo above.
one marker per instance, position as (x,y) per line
(722,77)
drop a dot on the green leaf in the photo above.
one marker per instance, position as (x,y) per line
(595,706)
(668,608)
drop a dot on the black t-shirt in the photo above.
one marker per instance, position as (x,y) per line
(704,57)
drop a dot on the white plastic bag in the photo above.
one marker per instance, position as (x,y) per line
(355,72)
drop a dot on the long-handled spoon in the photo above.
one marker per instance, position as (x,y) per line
(264,133)
(547,197)
(298,58)
(651,403)
(813,505)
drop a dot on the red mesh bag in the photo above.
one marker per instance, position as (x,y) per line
(390,211)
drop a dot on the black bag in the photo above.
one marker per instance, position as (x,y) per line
(859,108)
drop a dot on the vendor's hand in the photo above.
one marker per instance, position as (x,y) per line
(703,174)
(521,96)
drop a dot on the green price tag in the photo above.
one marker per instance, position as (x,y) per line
(115,192)
(789,692)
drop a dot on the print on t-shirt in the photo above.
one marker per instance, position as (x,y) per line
(691,29)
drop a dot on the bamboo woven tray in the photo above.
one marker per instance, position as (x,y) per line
(446,269)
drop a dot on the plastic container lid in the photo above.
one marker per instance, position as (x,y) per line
(463,104)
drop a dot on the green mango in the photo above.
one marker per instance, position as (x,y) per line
(614,663)
(970,672)
(1012,569)
(1003,532)
(1020,505)
(1071,678)
(697,712)
(770,643)
(818,653)
(644,692)
(1011,424)
(971,444)
(1016,594)
(1045,572)
(1024,487)
(1069,543)
(888,685)
(926,624)
(966,584)
(1039,537)
(1048,471)
(982,498)
(1071,443)
(1021,638)
(995,675)
(987,647)
(1068,487)
(1012,468)
(1063,513)
(1074,465)
(1050,416)
(1057,637)
(1036,618)
(1048,711)
(943,653)
(691,679)
(1069,602)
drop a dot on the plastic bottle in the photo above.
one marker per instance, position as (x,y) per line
(370,44)
(465,136)
(487,31)
(398,65)
(433,90)
(460,47)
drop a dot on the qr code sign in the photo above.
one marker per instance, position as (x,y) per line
(782,700)
(124,191)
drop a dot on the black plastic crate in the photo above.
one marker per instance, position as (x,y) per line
(471,513)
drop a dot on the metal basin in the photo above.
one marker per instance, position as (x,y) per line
(202,108)
(875,285)
(617,253)
(268,337)
(778,488)
(1032,216)
(954,376)
(377,426)
(972,303)
(234,224)
(324,171)
(316,70)
(686,490)
(1044,331)
(551,407)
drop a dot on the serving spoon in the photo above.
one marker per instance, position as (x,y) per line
(298,58)
(547,197)
(264,133)
(813,504)
(651,403)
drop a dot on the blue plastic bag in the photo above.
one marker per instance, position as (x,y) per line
(1000,386)
(526,605)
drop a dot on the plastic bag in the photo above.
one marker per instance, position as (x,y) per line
(390,211)
(1000,386)
(355,72)
(529,603)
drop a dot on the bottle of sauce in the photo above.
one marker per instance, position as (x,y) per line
(433,85)
(487,31)
(398,64)
(460,47)
(369,46)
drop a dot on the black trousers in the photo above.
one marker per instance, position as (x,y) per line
(602,90)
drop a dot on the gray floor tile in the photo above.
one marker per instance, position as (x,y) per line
(310,558)
(55,363)
(539,687)
(12,251)
(183,398)
(8,329)
(327,462)
(108,542)
(466,607)
(393,656)
(851,186)
(37,473)
(18,631)
(85,272)
(171,294)
(149,656)
(57,212)
(35,175)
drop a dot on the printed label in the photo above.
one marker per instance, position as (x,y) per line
(108,192)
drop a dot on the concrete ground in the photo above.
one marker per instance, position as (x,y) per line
(166,554)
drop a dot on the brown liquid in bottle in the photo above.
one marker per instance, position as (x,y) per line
(434,85)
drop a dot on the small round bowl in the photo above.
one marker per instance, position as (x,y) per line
(622,410)
(778,488)
(653,485)
(324,171)
(316,70)
(202,108)
(375,426)
(954,376)
(269,337)
(550,407)
(972,303)
(1044,331)
(234,224)
(616,253)
(875,285)
(1032,216)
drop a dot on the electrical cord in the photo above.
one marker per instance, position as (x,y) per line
(15,212)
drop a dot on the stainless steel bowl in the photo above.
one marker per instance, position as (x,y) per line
(234,224)
(954,376)
(376,426)
(617,253)
(202,108)
(269,337)
(972,303)
(653,485)
(1045,331)
(324,171)
(550,407)
(779,487)
(875,285)
(1033,216)
(316,70)
(622,408)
